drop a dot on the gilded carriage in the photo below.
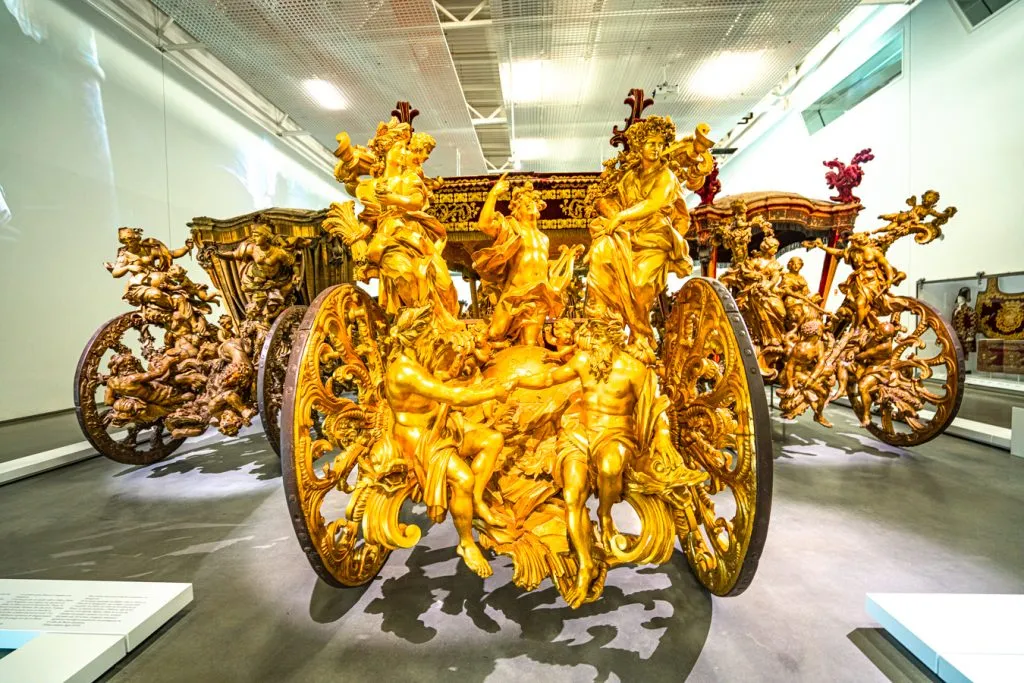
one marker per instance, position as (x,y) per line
(896,360)
(563,377)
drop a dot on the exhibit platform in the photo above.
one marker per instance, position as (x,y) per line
(74,631)
(961,638)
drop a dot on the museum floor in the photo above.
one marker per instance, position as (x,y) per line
(850,516)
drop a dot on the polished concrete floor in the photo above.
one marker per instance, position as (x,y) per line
(850,516)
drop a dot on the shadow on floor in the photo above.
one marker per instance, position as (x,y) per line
(649,625)
(892,659)
(220,457)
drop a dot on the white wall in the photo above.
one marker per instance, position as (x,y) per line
(950,122)
(97,132)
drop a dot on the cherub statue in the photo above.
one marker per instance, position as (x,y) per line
(800,385)
(617,423)
(915,220)
(437,440)
(638,235)
(516,265)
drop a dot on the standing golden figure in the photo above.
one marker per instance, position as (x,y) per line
(394,238)
(512,424)
(641,220)
(526,288)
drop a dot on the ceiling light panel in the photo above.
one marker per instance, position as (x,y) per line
(595,51)
(374,52)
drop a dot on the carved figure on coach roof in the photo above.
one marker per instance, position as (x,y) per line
(616,429)
(394,238)
(529,287)
(844,178)
(641,220)
(438,440)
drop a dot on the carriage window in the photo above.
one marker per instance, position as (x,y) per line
(867,79)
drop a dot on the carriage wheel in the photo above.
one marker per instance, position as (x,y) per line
(142,443)
(272,369)
(722,426)
(930,374)
(326,432)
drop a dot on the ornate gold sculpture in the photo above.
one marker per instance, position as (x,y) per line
(512,423)
(641,220)
(878,348)
(394,238)
(524,288)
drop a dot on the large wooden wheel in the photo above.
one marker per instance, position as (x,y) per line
(140,443)
(328,417)
(273,367)
(722,426)
(915,394)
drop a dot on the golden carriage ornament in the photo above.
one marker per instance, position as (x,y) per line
(549,388)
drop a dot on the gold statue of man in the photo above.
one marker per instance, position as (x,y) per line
(638,236)
(601,432)
(432,437)
(517,265)
(867,287)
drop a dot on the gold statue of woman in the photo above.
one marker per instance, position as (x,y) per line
(638,237)
(394,238)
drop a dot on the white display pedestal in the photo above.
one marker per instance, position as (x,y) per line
(73,631)
(1017,432)
(961,638)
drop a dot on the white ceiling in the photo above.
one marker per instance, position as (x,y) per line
(549,70)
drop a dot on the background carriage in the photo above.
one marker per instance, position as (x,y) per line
(927,352)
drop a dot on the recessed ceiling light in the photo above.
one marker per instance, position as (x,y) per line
(325,94)
(523,81)
(727,73)
(529,149)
